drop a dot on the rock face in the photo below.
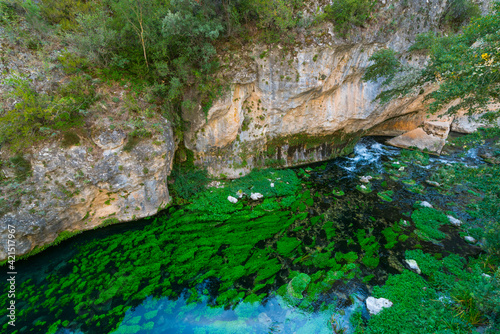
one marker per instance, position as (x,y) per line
(81,187)
(297,102)
(307,102)
(296,108)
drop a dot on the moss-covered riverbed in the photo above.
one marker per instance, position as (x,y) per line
(301,259)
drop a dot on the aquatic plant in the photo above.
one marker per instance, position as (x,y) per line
(365,189)
(427,221)
(298,284)
(338,192)
(385,195)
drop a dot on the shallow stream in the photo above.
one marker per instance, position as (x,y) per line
(301,260)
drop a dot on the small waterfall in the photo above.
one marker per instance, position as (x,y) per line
(367,152)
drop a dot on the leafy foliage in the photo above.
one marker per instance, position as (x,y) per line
(188,182)
(21,166)
(465,65)
(345,13)
(458,12)
(37,116)
(385,64)
(64,12)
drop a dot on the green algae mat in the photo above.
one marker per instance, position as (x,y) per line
(301,259)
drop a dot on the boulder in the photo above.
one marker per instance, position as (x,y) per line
(470,239)
(375,305)
(470,123)
(420,139)
(454,221)
(365,179)
(437,129)
(413,266)
(425,204)
(232,199)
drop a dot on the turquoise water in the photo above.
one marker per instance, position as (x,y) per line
(176,273)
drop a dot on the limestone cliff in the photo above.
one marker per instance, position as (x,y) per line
(287,104)
(302,103)
(82,187)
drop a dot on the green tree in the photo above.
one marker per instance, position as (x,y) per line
(345,13)
(275,14)
(385,64)
(459,12)
(465,66)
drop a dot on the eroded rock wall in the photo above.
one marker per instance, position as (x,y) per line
(82,187)
(291,105)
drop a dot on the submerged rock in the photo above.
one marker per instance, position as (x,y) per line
(454,221)
(297,285)
(264,319)
(432,183)
(256,196)
(414,266)
(426,204)
(375,305)
(365,179)
(470,239)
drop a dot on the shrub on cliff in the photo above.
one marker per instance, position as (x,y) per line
(189,182)
(37,116)
(64,12)
(465,65)
(458,12)
(344,13)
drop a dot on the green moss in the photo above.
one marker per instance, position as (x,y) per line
(298,284)
(286,245)
(338,192)
(365,189)
(386,195)
(338,140)
(427,221)
(70,139)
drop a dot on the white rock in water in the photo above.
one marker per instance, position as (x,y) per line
(256,196)
(375,305)
(426,204)
(432,183)
(264,319)
(414,266)
(470,239)
(401,169)
(363,187)
(272,185)
(365,179)
(454,221)
(486,275)
(232,199)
